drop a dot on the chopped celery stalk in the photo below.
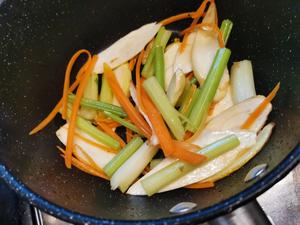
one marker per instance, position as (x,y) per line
(161,39)
(123,122)
(148,69)
(88,128)
(153,183)
(122,156)
(159,65)
(90,92)
(199,112)
(242,81)
(133,167)
(168,112)
(188,100)
(88,103)
(106,94)
(226,28)
(154,163)
(194,80)
(193,102)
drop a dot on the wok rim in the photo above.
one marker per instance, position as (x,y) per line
(223,207)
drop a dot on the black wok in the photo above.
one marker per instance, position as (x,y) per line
(36,40)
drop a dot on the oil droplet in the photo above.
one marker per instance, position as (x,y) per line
(255,172)
(183,207)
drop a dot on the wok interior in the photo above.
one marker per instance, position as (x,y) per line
(38,38)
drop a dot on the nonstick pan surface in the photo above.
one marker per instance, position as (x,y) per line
(36,40)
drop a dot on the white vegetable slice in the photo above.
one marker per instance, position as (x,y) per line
(247,139)
(222,105)
(246,155)
(169,57)
(133,167)
(235,116)
(100,156)
(183,60)
(123,76)
(126,47)
(176,87)
(154,139)
(203,52)
(242,81)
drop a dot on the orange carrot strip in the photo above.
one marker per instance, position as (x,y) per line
(201,185)
(186,155)
(129,135)
(74,112)
(138,80)
(197,15)
(133,115)
(58,106)
(259,109)
(67,80)
(91,161)
(186,145)
(103,147)
(176,18)
(214,27)
(183,43)
(132,63)
(199,12)
(83,167)
(111,133)
(159,126)
(170,147)
(187,135)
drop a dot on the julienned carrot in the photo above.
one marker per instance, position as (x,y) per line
(188,135)
(138,80)
(107,121)
(129,135)
(75,108)
(199,12)
(214,27)
(259,109)
(111,133)
(82,166)
(58,106)
(177,149)
(67,79)
(201,185)
(91,161)
(132,113)
(95,144)
(132,63)
(196,17)
(176,18)
(160,128)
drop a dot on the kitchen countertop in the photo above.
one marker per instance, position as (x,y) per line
(282,202)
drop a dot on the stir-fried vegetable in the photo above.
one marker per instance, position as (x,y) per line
(98,105)
(124,155)
(161,39)
(242,81)
(173,94)
(159,98)
(209,89)
(177,169)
